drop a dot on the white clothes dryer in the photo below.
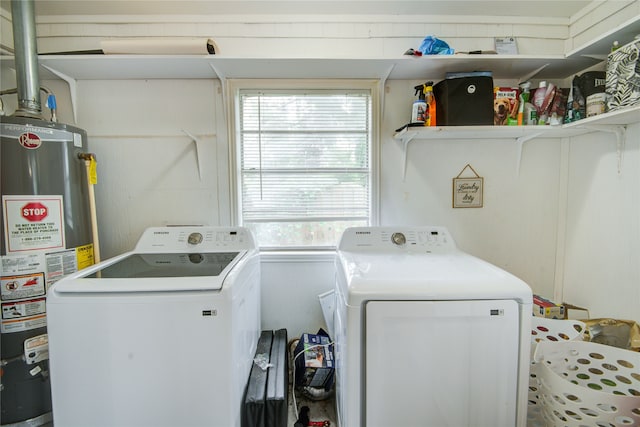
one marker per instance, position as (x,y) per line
(427,335)
(163,335)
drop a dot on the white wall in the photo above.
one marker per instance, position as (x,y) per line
(601,268)
(148,166)
(291,286)
(567,223)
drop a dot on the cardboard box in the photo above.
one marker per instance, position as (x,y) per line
(315,366)
(622,80)
(464,99)
(574,312)
(505,105)
(542,307)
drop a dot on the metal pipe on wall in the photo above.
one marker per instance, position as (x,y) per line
(25,46)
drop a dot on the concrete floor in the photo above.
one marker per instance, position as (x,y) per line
(318,411)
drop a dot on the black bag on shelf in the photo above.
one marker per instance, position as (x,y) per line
(464,99)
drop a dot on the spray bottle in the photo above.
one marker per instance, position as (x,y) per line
(430,100)
(419,110)
(524,98)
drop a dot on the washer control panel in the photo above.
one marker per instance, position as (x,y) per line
(194,238)
(394,239)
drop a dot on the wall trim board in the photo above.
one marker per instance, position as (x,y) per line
(298,18)
(323,257)
(561,225)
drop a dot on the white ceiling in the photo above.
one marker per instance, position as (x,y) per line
(530,8)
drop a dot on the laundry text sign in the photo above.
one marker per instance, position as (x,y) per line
(467,192)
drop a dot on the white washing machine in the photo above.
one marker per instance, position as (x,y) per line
(164,335)
(427,335)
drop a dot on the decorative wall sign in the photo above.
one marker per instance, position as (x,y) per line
(467,191)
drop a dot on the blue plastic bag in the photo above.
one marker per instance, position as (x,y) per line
(434,46)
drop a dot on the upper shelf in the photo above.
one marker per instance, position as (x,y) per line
(600,47)
(115,67)
(518,67)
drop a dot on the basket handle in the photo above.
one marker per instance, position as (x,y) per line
(538,355)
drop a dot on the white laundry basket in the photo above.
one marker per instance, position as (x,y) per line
(543,329)
(583,384)
(552,330)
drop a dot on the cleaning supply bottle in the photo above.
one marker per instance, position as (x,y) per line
(430,100)
(538,98)
(530,111)
(525,94)
(530,114)
(419,110)
(544,115)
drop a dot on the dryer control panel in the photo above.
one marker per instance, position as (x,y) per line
(394,239)
(194,239)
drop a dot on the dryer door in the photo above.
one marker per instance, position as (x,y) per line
(441,363)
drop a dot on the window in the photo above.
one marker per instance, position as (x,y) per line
(304,164)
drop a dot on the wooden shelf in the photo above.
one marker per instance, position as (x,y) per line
(117,67)
(518,67)
(621,117)
(614,122)
(485,132)
(600,47)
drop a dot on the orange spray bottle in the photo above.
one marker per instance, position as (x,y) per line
(430,100)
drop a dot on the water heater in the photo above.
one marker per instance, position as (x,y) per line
(46,234)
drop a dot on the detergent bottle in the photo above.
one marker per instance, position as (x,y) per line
(538,101)
(419,110)
(430,99)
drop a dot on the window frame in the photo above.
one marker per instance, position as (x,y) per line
(233,88)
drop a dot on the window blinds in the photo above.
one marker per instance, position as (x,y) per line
(304,164)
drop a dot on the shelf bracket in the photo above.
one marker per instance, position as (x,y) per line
(73,89)
(620,131)
(533,73)
(223,87)
(383,83)
(198,145)
(519,143)
(405,139)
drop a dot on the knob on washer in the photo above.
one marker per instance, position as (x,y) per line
(194,238)
(398,239)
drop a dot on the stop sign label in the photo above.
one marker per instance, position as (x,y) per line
(34,212)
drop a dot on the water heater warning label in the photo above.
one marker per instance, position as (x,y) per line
(33,223)
(26,286)
(23,315)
